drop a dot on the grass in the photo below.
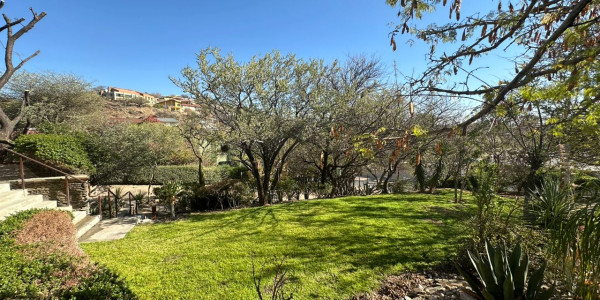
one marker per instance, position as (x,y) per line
(335,248)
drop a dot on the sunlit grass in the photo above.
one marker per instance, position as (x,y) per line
(335,248)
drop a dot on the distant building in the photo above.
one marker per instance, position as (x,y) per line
(170,104)
(115,94)
(168,121)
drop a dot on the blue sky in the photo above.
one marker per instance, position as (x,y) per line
(138,44)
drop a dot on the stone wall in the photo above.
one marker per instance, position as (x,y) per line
(54,189)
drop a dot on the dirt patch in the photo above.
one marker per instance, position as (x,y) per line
(429,285)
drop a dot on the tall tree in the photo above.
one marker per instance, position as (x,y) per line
(263,105)
(547,39)
(8,124)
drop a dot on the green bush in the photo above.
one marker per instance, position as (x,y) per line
(184,174)
(28,271)
(550,204)
(63,151)
(220,195)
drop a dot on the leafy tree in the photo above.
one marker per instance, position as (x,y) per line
(55,98)
(7,124)
(263,106)
(547,40)
(201,136)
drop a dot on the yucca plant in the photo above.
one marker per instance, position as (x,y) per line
(504,276)
(550,204)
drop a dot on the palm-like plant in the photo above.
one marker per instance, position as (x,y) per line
(138,198)
(551,204)
(504,276)
(169,192)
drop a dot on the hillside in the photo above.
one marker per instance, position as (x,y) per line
(118,109)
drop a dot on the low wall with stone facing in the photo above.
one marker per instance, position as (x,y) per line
(54,189)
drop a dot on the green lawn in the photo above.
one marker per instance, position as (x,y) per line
(335,247)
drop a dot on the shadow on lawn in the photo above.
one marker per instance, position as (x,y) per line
(354,232)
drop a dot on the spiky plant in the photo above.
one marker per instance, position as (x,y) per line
(503,276)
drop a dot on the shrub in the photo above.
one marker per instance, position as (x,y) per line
(220,195)
(39,258)
(576,248)
(504,276)
(63,151)
(550,204)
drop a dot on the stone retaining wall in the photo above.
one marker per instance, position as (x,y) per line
(54,189)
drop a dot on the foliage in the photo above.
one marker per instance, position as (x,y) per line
(124,150)
(102,284)
(37,263)
(551,205)
(262,104)
(64,151)
(483,187)
(504,276)
(336,247)
(549,44)
(62,99)
(169,192)
(224,194)
(576,248)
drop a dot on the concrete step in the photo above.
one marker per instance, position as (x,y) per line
(78,215)
(86,224)
(10,195)
(4,187)
(31,202)
(65,208)
(19,204)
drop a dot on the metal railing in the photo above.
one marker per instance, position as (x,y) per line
(22,172)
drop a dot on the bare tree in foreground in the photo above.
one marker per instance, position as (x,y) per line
(7,124)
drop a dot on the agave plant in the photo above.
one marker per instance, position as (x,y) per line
(504,276)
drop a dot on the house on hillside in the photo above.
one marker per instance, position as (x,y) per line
(170,104)
(115,94)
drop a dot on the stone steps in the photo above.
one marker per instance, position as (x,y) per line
(12,201)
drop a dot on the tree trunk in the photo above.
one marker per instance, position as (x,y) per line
(201,180)
(172,207)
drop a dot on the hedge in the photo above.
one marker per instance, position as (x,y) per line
(62,151)
(183,174)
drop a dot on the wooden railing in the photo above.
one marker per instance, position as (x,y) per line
(22,172)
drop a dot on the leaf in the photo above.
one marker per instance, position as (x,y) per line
(484,30)
(471,59)
(511,8)
(393,43)
(535,282)
(464,35)
(499,6)
(471,280)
